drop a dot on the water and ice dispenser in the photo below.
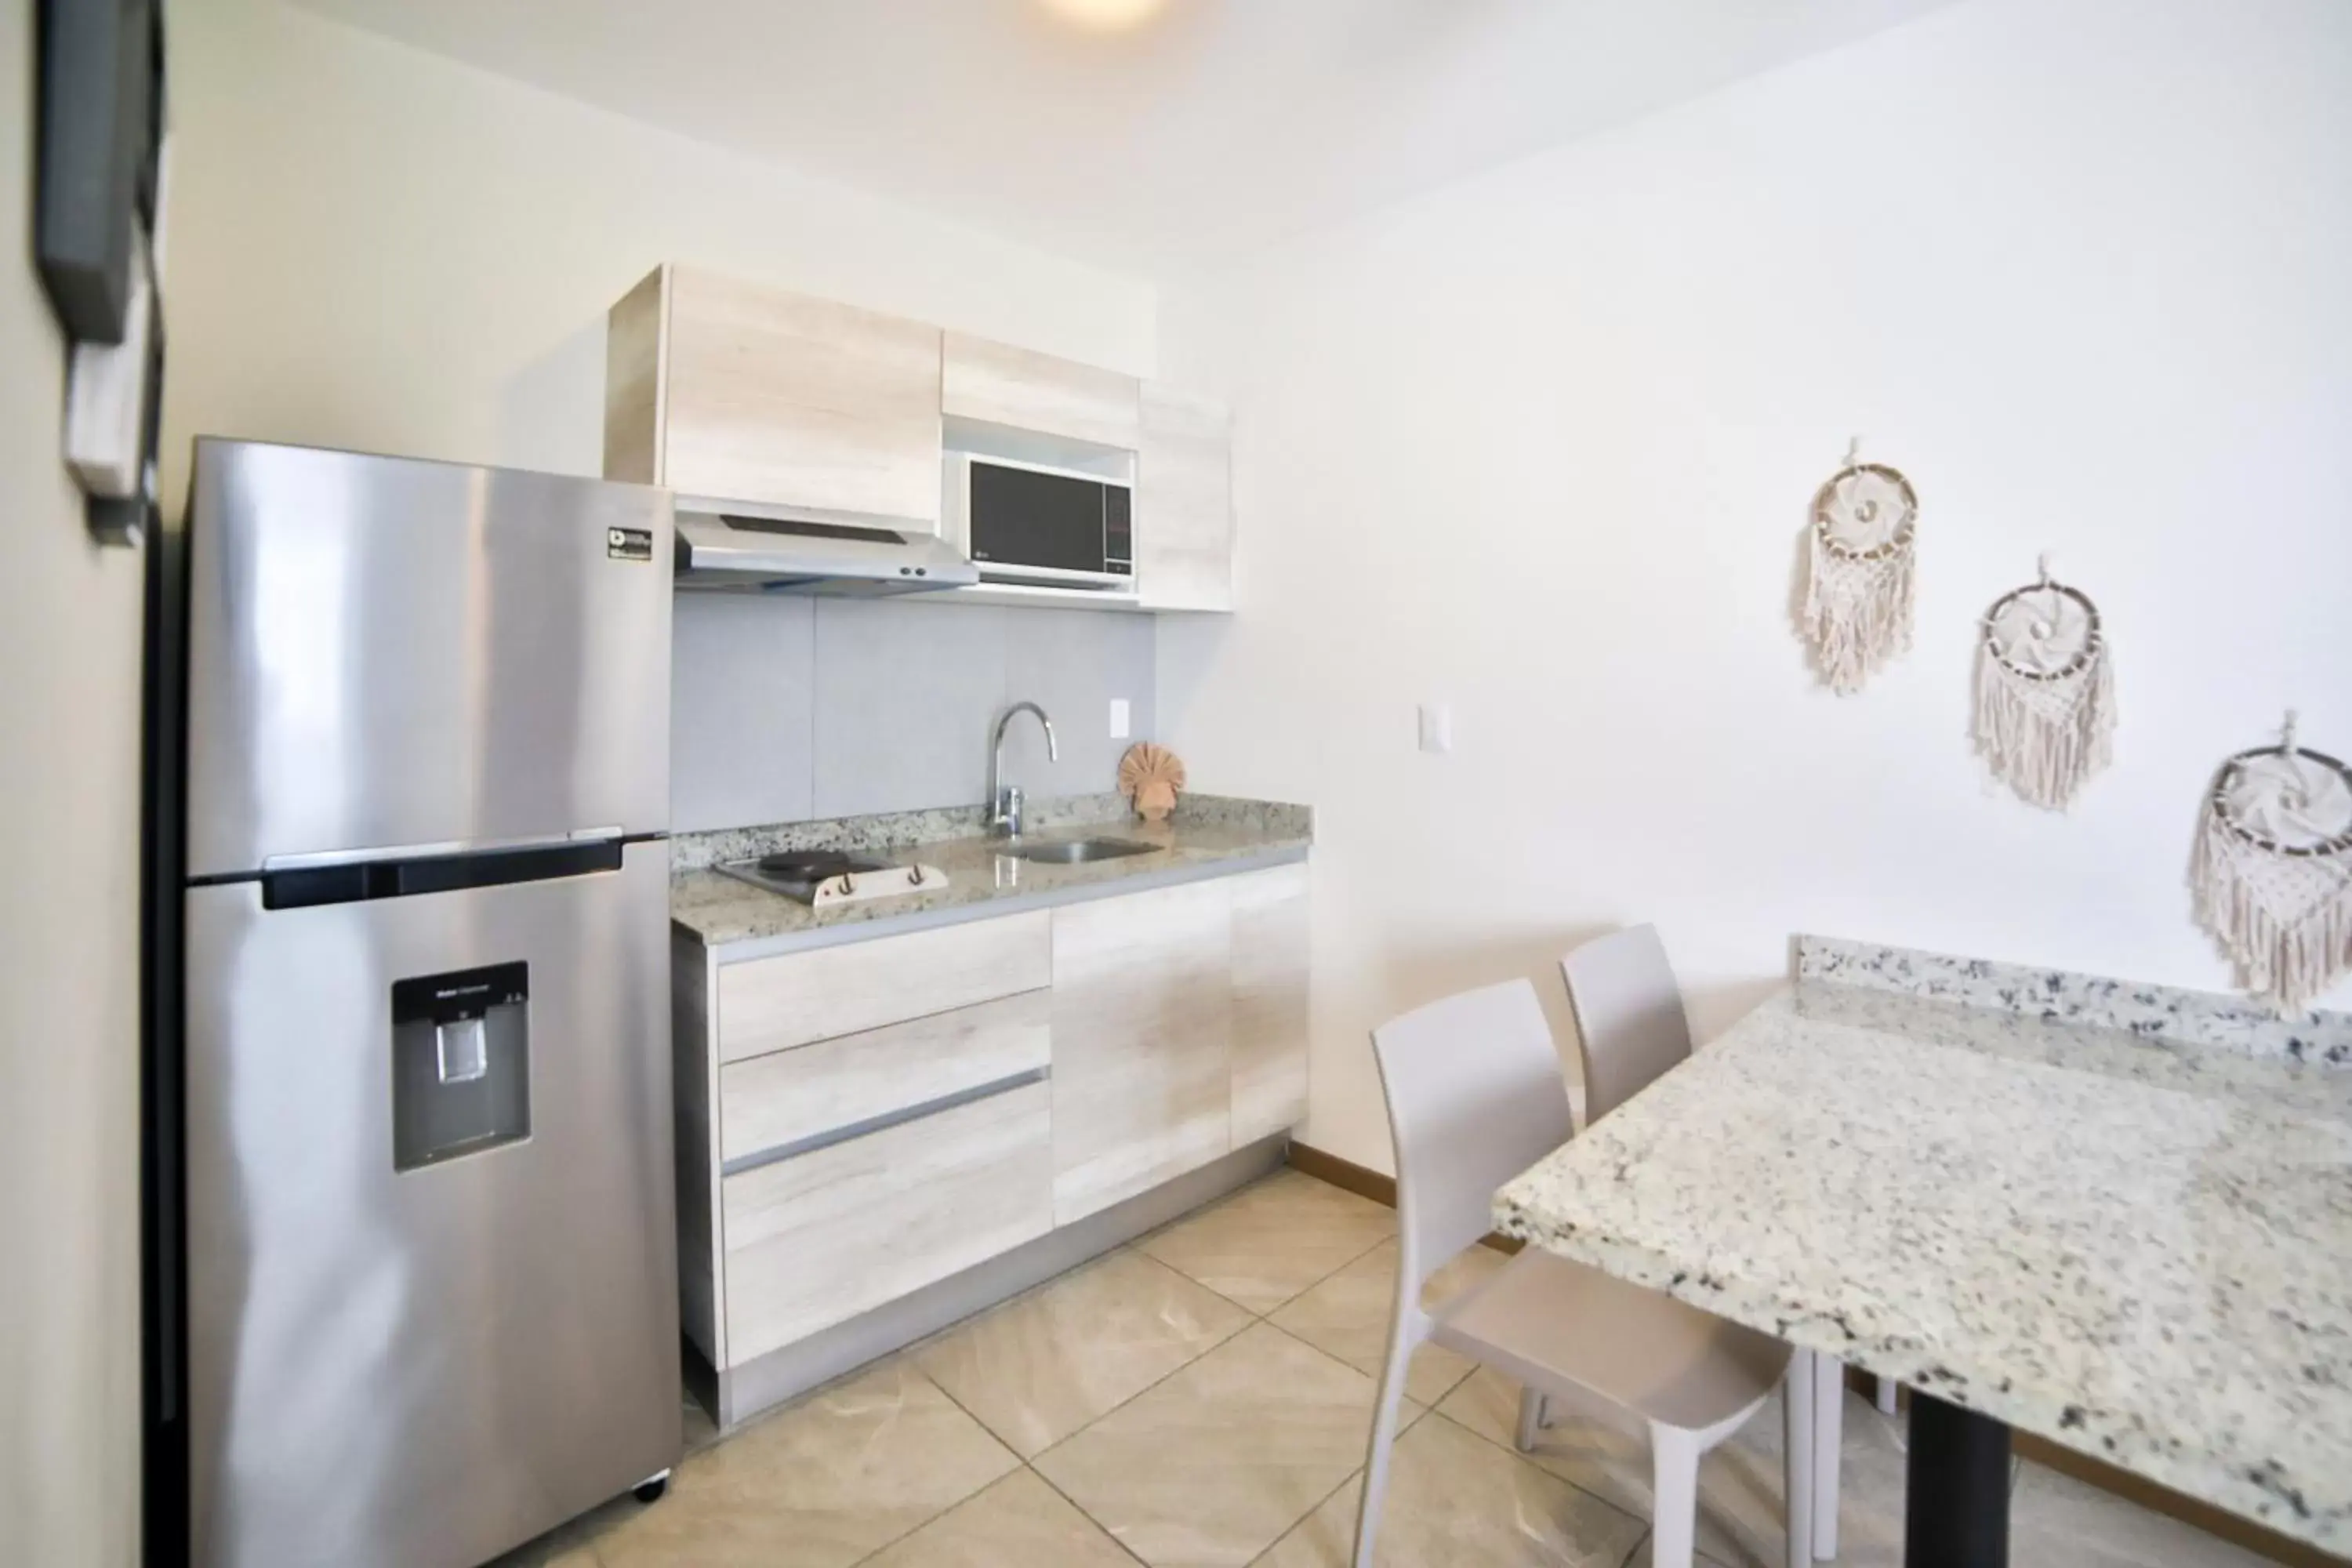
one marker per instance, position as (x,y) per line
(460,1063)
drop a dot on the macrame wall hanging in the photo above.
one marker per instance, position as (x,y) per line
(1858,574)
(2273,869)
(2045,691)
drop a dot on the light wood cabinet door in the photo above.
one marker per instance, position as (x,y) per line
(1183,503)
(774,1101)
(634,348)
(816,1239)
(775,1004)
(1142,1042)
(773,396)
(1270,941)
(1026,390)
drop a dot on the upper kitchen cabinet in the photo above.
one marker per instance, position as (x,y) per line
(731,391)
(1025,390)
(1183,503)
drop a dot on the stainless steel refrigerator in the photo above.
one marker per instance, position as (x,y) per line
(431,1247)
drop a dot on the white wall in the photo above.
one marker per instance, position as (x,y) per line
(70,648)
(378,247)
(1540,444)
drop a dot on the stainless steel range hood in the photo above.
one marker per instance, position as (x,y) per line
(760,549)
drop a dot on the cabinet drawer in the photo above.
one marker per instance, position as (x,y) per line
(816,1239)
(774,1004)
(771,1101)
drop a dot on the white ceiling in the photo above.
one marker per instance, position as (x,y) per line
(1215,127)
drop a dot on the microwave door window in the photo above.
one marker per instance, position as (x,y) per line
(1024,519)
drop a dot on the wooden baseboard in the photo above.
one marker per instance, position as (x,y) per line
(1344,1174)
(2144,1493)
(1365,1181)
(2212,1520)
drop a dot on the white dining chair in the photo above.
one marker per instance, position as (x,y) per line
(1631,1029)
(1475,1095)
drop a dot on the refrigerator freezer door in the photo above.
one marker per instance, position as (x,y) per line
(389,653)
(428,1319)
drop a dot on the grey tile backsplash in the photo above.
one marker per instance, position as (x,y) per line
(785,708)
(740,704)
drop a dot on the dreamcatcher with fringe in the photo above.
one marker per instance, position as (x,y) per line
(1858,579)
(2273,869)
(2045,691)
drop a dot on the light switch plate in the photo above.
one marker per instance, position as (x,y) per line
(1119,721)
(1436,727)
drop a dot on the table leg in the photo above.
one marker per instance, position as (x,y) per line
(1956,1512)
(1828,1448)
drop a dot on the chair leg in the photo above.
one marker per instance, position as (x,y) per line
(1886,1388)
(1829,1443)
(1673,1479)
(1799,1405)
(1531,1420)
(1376,1457)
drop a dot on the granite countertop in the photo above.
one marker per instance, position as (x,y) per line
(2140,1248)
(1209,836)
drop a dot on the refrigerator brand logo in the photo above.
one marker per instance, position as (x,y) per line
(629,543)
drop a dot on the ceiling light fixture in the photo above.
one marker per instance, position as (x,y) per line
(1105,15)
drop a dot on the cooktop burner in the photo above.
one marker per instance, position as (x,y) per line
(813,865)
(828,876)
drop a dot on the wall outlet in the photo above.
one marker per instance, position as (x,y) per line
(1119,722)
(1436,727)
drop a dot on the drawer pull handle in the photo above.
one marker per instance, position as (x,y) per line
(888,1118)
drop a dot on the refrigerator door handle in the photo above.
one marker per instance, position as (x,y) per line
(310,860)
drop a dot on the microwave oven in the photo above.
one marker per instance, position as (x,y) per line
(1023,522)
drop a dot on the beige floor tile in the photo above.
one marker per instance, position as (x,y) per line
(571,1544)
(566,1548)
(2057,1521)
(697,1429)
(1272,1240)
(1019,1522)
(1602,1450)
(819,1485)
(1213,1465)
(1456,1500)
(1039,1367)
(1643,1558)
(1348,1316)
(1870,1486)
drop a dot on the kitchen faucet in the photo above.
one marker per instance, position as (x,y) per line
(1004,799)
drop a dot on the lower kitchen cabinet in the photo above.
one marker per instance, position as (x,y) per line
(815,1239)
(795,998)
(859,1121)
(1142,1042)
(1269,992)
(788,1097)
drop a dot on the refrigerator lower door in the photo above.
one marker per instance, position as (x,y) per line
(433,1298)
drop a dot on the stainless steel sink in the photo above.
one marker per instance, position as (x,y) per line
(1076,851)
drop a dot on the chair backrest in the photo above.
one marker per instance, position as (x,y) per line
(1475,1095)
(1628,1015)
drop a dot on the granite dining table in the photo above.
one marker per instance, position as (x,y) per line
(2116,1216)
